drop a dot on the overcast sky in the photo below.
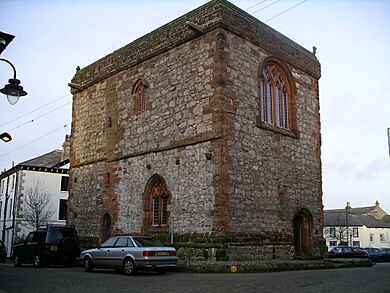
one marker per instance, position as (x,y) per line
(353,41)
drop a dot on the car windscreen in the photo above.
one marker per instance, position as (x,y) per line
(146,242)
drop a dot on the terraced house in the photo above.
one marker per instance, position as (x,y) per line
(205,133)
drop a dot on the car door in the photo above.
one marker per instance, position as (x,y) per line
(32,245)
(119,251)
(103,254)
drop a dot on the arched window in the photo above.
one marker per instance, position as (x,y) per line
(139,97)
(160,210)
(156,200)
(275,96)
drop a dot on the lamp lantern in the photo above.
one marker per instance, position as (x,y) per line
(5,137)
(13,90)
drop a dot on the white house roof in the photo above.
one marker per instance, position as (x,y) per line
(48,160)
(338,218)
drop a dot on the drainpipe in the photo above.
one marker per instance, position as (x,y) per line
(5,209)
(16,200)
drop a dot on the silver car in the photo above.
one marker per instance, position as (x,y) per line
(130,253)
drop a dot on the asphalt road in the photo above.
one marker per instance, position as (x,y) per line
(58,279)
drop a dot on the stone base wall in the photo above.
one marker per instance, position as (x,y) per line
(236,252)
(233,247)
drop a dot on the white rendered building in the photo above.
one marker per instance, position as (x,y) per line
(361,227)
(50,173)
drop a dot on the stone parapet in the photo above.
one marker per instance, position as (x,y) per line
(213,15)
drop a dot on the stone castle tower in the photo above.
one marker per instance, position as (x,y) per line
(204,132)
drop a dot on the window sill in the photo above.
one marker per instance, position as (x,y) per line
(289,133)
(163,228)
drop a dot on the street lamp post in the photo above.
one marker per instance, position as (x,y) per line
(13,90)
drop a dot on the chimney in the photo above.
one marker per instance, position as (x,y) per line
(377,204)
(66,148)
(348,208)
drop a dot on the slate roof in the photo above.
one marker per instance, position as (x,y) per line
(48,160)
(338,218)
(386,219)
(355,211)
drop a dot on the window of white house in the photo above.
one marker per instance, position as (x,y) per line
(332,232)
(332,243)
(355,232)
(64,183)
(382,237)
(371,237)
(1,207)
(13,182)
(63,209)
(356,243)
(10,208)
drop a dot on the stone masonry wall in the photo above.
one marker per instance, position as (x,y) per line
(188,175)
(274,173)
(235,186)
(112,145)
(87,186)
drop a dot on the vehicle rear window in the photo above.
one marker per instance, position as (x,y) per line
(146,242)
(122,242)
(58,234)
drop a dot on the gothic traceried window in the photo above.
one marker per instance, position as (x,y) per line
(139,95)
(275,95)
(156,204)
(159,210)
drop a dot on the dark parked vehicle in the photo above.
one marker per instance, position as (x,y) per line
(374,253)
(347,252)
(385,254)
(3,251)
(130,253)
(52,243)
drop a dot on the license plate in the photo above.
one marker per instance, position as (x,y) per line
(163,253)
(53,248)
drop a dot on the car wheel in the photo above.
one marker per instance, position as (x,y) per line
(17,261)
(38,261)
(88,265)
(129,267)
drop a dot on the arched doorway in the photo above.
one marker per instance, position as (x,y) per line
(303,238)
(106,227)
(156,200)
